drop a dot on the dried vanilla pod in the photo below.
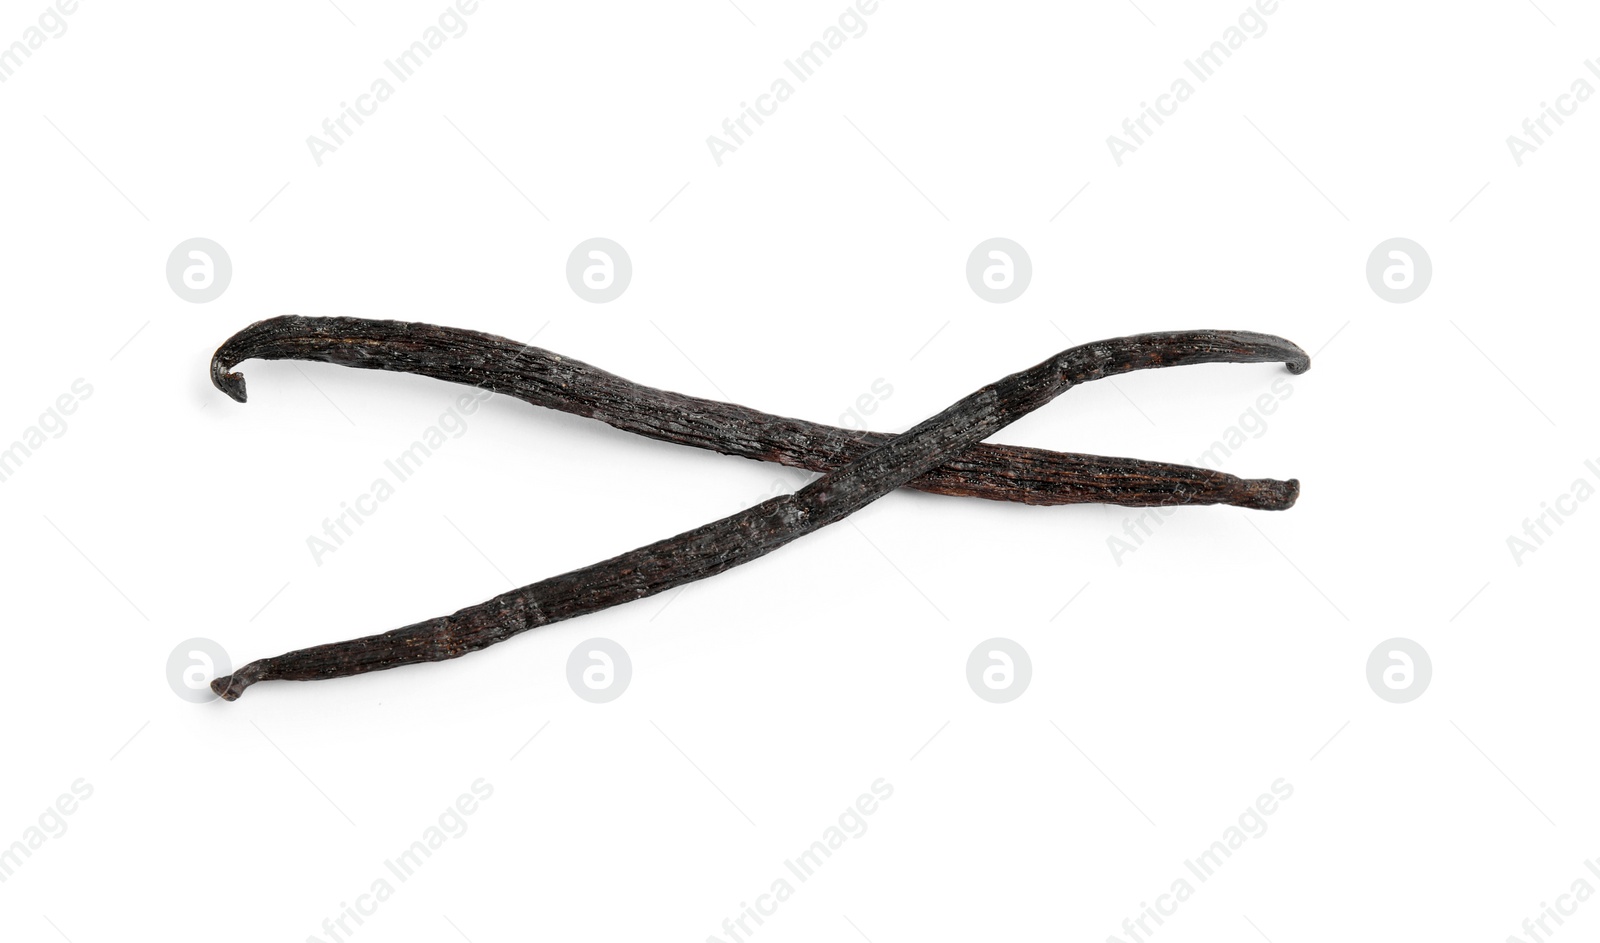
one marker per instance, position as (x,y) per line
(543,378)
(759,530)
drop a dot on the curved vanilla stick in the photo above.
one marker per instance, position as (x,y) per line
(544,378)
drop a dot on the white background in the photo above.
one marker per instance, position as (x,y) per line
(1225,653)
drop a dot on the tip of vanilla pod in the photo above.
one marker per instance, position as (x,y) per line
(229,383)
(227,687)
(1269,494)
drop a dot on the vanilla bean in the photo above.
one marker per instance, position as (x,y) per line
(757,531)
(543,378)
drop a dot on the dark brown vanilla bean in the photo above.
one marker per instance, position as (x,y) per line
(759,530)
(543,378)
